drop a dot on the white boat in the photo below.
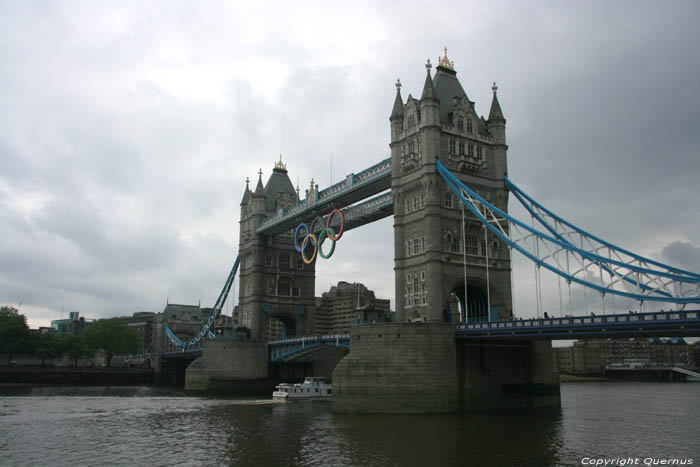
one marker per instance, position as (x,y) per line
(313,387)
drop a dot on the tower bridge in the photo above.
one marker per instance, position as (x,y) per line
(456,343)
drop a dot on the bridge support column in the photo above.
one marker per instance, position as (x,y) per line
(421,368)
(398,368)
(239,367)
(507,374)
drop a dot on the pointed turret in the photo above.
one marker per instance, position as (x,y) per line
(396,117)
(246,193)
(397,111)
(259,189)
(428,88)
(496,122)
(429,102)
(495,114)
(257,205)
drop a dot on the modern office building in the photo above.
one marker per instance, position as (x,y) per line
(348,304)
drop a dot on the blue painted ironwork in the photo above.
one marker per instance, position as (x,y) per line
(285,348)
(143,353)
(205,330)
(661,323)
(633,277)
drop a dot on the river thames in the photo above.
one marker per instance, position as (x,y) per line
(150,426)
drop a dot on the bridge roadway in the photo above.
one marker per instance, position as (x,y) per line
(656,324)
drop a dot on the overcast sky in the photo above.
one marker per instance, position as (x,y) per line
(127,130)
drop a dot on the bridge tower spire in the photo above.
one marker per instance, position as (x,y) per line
(430,248)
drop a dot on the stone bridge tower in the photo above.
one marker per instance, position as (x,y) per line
(274,281)
(430,241)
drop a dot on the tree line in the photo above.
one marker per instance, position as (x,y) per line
(111,335)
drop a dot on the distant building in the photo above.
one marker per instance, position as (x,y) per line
(142,323)
(345,305)
(594,356)
(185,321)
(71,326)
(695,355)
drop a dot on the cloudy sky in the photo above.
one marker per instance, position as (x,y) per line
(127,130)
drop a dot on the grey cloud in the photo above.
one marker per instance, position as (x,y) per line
(683,255)
(143,179)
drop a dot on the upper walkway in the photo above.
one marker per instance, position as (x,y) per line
(353,188)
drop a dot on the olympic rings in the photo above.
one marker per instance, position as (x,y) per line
(296,233)
(318,235)
(303,247)
(313,227)
(328,231)
(342,224)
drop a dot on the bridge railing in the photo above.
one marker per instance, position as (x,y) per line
(308,339)
(283,348)
(573,323)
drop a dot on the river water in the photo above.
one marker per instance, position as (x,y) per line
(149,426)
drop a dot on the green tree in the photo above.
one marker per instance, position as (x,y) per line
(113,336)
(74,347)
(14,333)
(45,346)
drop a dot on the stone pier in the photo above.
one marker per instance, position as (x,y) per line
(421,368)
(398,368)
(230,366)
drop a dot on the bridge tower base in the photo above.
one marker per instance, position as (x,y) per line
(421,368)
(230,366)
(507,374)
(398,368)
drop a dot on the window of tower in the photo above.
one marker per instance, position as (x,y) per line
(471,245)
(268,260)
(461,147)
(454,245)
(295,290)
(283,288)
(480,152)
(460,123)
(453,146)
(470,127)
(448,200)
(471,149)
(284,260)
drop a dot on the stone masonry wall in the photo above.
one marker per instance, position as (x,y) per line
(398,368)
(507,374)
(229,361)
